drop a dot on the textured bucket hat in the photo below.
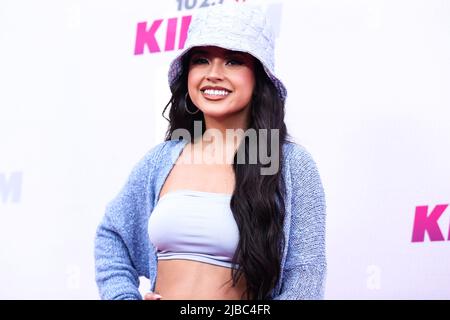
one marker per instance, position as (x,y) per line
(232,26)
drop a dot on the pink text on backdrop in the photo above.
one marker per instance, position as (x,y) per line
(146,36)
(424,222)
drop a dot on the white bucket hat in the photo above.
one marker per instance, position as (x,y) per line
(232,26)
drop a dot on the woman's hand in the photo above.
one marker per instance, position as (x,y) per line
(152,296)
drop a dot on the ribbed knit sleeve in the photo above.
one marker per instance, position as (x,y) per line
(121,241)
(305,268)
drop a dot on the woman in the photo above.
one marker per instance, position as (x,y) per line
(234,229)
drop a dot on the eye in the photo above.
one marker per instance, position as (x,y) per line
(235,62)
(198,60)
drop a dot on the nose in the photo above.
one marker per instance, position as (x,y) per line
(215,71)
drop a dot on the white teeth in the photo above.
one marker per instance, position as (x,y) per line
(216,92)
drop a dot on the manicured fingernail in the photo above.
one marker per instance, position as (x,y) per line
(157,296)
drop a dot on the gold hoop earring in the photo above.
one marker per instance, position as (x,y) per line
(186,107)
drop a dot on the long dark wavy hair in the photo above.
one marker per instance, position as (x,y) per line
(257,201)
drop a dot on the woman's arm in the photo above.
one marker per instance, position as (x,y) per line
(115,274)
(121,243)
(305,269)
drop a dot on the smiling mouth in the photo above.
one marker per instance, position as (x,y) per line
(215,94)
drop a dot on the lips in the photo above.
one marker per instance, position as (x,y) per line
(214,88)
(209,95)
(215,93)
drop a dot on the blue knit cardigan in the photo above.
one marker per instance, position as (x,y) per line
(123,251)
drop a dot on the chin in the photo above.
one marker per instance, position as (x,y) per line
(215,109)
(209,112)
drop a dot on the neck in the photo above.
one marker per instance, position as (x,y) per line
(222,137)
(220,127)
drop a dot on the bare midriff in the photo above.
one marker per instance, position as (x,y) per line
(194,280)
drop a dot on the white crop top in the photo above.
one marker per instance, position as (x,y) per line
(194,225)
